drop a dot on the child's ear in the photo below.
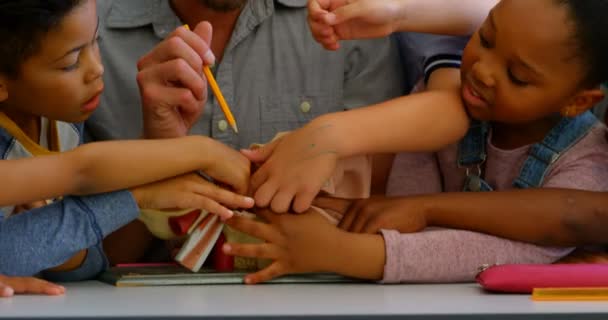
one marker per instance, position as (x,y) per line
(582,102)
(3,88)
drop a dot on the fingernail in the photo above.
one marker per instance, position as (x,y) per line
(7,292)
(226,248)
(249,201)
(247,280)
(330,18)
(209,56)
(56,290)
(228,214)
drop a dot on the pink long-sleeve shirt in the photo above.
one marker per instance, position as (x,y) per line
(446,255)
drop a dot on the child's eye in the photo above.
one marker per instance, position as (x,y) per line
(515,80)
(72,67)
(483,41)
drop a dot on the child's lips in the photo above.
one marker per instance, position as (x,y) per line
(473,97)
(92,104)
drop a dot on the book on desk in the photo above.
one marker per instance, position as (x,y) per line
(170,275)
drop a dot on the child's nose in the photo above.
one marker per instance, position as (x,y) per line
(483,74)
(95,69)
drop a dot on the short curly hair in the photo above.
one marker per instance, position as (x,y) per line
(23,23)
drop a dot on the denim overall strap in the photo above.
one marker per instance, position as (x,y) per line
(544,154)
(472,155)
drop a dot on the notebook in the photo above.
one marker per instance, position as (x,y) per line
(171,275)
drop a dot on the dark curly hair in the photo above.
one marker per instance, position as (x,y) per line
(23,23)
(590,22)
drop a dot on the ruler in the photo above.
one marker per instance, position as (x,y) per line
(570,294)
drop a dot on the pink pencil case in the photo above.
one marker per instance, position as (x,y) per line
(523,278)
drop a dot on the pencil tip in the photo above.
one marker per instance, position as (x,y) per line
(236,130)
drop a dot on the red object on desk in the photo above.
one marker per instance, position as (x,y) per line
(221,261)
(180,225)
(523,278)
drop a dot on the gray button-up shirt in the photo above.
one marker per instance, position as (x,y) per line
(273,74)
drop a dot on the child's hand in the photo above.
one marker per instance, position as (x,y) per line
(297,243)
(228,166)
(333,20)
(584,256)
(29,206)
(27,285)
(295,167)
(371,215)
(189,191)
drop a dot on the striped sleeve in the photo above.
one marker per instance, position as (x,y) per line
(440,61)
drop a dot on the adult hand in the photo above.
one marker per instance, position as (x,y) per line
(172,87)
(333,20)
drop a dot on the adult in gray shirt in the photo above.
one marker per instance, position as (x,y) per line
(273,74)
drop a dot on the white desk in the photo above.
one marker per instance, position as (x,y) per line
(461,301)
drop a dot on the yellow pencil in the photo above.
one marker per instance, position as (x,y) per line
(219,96)
(570,294)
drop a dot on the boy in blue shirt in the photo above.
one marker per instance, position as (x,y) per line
(50,81)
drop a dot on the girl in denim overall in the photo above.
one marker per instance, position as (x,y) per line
(528,90)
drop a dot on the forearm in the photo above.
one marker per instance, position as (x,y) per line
(425,121)
(357,255)
(103,166)
(49,236)
(443,17)
(542,216)
(106,166)
(455,255)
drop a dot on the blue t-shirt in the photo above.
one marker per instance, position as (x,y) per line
(43,238)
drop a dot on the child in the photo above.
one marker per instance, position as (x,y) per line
(106,166)
(334,20)
(517,78)
(50,72)
(582,225)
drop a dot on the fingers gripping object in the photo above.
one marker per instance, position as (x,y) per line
(206,233)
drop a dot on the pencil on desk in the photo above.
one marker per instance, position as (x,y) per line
(570,294)
(218,95)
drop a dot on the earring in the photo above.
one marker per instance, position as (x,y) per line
(568,112)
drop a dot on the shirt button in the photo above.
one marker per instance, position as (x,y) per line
(222,125)
(474,183)
(305,107)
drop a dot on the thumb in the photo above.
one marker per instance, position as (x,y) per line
(260,154)
(345,13)
(314,8)
(205,31)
